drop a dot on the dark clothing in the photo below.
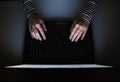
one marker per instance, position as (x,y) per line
(85,13)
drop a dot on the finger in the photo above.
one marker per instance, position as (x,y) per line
(32,34)
(35,35)
(43,25)
(72,26)
(38,36)
(41,31)
(33,31)
(78,37)
(84,33)
(76,34)
(73,31)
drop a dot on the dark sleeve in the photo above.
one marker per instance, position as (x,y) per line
(29,8)
(88,11)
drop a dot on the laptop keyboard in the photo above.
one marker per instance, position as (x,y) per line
(57,48)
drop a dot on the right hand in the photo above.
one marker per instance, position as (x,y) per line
(37,27)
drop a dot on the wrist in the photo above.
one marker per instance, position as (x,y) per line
(33,14)
(34,18)
(83,21)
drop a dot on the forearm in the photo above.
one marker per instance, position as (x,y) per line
(88,11)
(28,7)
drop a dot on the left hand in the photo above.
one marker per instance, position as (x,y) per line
(78,30)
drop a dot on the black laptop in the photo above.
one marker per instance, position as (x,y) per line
(57,48)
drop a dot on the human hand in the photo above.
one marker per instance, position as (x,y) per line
(37,27)
(78,30)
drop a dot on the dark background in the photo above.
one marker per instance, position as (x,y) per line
(106,31)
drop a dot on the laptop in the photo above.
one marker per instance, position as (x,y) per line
(14,43)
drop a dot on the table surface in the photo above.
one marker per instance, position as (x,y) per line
(30,75)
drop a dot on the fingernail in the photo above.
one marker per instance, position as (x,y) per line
(45,30)
(75,40)
(69,37)
(44,38)
(40,39)
(72,40)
